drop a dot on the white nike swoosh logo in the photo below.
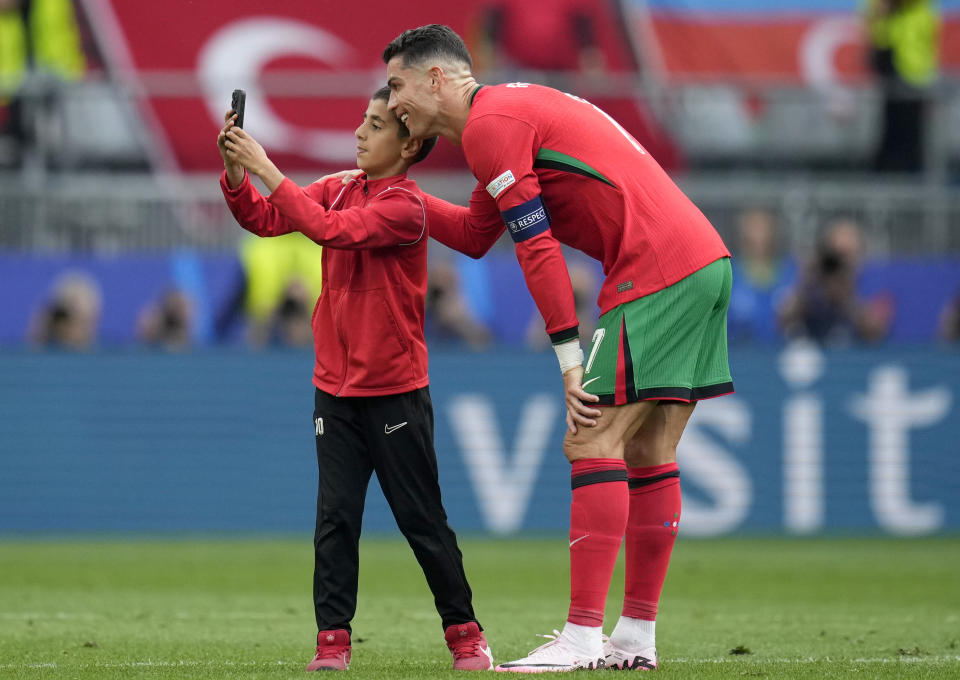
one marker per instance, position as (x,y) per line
(387,429)
(577,540)
(590,381)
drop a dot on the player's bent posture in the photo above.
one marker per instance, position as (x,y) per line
(372,402)
(552,169)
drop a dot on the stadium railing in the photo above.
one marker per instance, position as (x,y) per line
(109,213)
(87,185)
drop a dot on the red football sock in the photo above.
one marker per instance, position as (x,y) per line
(598,518)
(651,531)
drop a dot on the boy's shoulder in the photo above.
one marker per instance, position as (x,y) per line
(399,184)
(326,188)
(335,193)
(403,180)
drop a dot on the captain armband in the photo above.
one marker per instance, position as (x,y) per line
(526,220)
(569,354)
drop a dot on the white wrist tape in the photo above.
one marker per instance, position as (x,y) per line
(569,354)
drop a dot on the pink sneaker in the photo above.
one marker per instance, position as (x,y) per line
(333,651)
(469,647)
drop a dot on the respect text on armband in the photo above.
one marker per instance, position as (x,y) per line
(527,220)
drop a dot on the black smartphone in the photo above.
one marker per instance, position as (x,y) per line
(237,103)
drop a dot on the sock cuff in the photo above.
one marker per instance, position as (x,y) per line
(640,609)
(597,471)
(652,470)
(585,465)
(653,478)
(588,618)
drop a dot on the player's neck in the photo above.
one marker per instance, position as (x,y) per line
(458,108)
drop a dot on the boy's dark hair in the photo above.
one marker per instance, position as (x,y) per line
(433,40)
(383,95)
(426,145)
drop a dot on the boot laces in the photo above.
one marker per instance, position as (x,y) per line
(551,641)
(331,651)
(467,647)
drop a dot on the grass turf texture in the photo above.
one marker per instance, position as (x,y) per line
(215,608)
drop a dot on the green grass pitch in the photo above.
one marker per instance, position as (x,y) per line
(225,608)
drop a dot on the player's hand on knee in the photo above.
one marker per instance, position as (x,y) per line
(578,412)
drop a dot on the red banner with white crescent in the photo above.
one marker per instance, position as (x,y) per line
(309,67)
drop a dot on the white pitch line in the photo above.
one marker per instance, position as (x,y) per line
(827,659)
(40,616)
(666,662)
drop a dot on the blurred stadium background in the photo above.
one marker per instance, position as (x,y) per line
(155,363)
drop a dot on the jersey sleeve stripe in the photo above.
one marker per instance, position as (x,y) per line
(547,158)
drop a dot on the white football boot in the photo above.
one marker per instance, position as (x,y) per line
(559,654)
(628,659)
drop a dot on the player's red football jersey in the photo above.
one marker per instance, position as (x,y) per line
(604,194)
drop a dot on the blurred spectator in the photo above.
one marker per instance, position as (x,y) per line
(904,55)
(40,48)
(826,306)
(548,35)
(586,288)
(167,322)
(70,318)
(762,277)
(290,322)
(277,291)
(448,316)
(949,328)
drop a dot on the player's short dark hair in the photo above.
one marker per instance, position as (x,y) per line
(426,145)
(433,40)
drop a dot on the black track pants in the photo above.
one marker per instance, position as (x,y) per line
(392,436)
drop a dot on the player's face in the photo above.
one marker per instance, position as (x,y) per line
(412,97)
(378,141)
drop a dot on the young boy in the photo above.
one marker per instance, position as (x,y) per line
(372,401)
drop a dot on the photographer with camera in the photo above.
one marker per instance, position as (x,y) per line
(826,306)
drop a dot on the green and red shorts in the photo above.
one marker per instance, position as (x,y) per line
(671,344)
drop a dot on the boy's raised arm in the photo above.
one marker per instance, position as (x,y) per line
(395,217)
(252,211)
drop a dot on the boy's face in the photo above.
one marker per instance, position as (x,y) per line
(378,141)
